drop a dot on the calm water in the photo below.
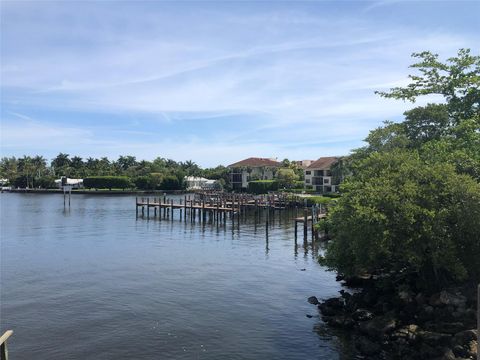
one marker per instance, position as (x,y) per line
(95,283)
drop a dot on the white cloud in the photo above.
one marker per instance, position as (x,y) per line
(306,76)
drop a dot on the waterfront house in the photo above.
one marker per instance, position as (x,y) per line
(200,183)
(74,183)
(244,171)
(319,175)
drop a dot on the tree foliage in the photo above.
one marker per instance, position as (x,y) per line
(411,196)
(456,79)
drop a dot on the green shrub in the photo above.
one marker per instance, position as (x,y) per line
(171,182)
(299,184)
(262,186)
(145,183)
(45,182)
(314,200)
(107,182)
(332,195)
(399,214)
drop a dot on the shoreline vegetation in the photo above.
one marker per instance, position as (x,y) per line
(404,234)
(97,191)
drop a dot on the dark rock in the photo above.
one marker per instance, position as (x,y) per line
(472,348)
(339,321)
(407,333)
(370,298)
(366,346)
(406,296)
(377,327)
(436,352)
(358,281)
(444,298)
(328,310)
(309,316)
(445,327)
(447,355)
(464,337)
(434,338)
(362,315)
(336,303)
(469,350)
(420,299)
(313,300)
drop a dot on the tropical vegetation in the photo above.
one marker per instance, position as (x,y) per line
(410,199)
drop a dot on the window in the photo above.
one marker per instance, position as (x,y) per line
(308,172)
(307,181)
(329,172)
(326,181)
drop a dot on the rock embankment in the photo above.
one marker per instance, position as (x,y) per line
(402,324)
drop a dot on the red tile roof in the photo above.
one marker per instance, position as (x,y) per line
(256,162)
(324,163)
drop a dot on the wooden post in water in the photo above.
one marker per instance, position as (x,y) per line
(314,221)
(3,344)
(185,209)
(305,223)
(136,207)
(148,208)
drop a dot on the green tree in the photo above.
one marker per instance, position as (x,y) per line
(286,178)
(400,214)
(456,79)
(411,196)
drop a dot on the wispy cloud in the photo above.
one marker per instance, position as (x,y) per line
(298,78)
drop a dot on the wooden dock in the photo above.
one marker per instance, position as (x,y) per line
(316,214)
(216,207)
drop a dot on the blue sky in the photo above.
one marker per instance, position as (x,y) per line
(212,82)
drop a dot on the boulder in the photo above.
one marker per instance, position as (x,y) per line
(406,333)
(445,327)
(464,337)
(434,338)
(378,327)
(444,298)
(339,321)
(469,350)
(336,303)
(313,300)
(362,315)
(366,346)
(327,310)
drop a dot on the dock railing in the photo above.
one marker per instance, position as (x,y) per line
(3,344)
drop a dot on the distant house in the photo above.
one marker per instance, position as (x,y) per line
(201,183)
(242,172)
(74,183)
(319,175)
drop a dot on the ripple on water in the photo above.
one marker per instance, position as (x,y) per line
(92,282)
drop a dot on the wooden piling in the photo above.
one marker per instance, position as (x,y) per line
(305,223)
(3,344)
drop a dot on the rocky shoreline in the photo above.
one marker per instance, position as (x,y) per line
(400,323)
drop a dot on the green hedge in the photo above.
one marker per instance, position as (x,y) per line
(332,195)
(312,200)
(171,182)
(262,186)
(107,182)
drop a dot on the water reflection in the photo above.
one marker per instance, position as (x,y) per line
(99,278)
